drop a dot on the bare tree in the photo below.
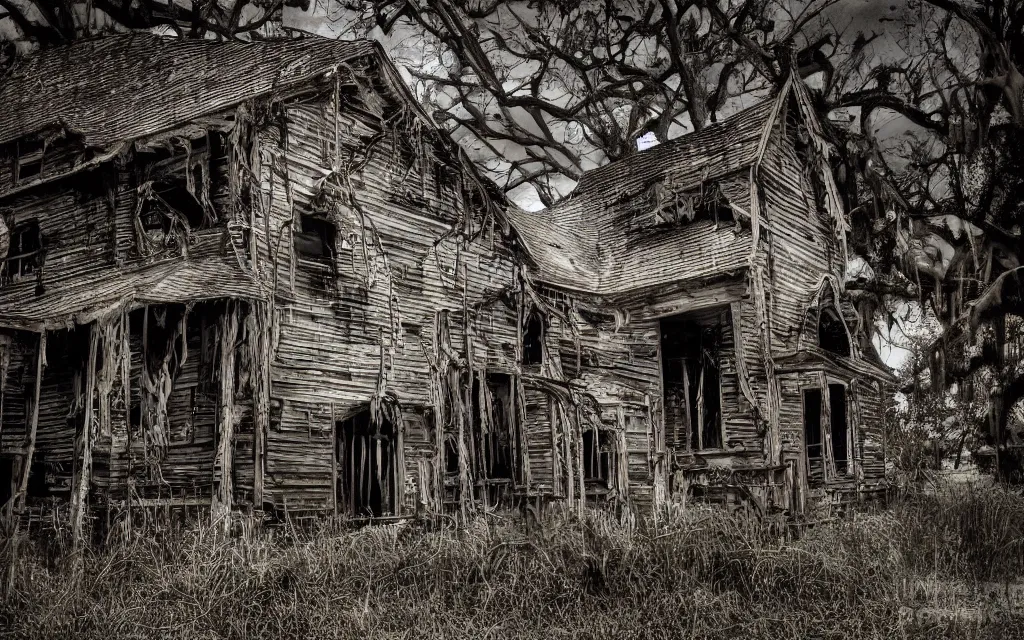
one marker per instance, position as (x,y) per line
(544,90)
(50,22)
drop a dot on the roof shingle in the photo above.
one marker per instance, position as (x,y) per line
(587,241)
(122,87)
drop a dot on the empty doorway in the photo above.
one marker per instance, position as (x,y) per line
(366,463)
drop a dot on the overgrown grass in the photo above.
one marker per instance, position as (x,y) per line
(694,574)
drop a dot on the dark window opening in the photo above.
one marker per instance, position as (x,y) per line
(7,480)
(367,474)
(315,239)
(691,370)
(533,339)
(29,162)
(837,413)
(25,250)
(315,246)
(37,487)
(716,210)
(812,437)
(451,457)
(171,201)
(832,335)
(597,456)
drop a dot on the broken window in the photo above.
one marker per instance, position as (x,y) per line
(366,463)
(838,430)
(597,458)
(533,339)
(832,335)
(28,164)
(673,207)
(24,252)
(691,370)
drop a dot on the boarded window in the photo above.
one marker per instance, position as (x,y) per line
(832,333)
(691,347)
(533,339)
(24,252)
(366,466)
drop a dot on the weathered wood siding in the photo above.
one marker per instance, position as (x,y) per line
(402,263)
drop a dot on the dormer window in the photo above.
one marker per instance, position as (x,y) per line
(23,254)
(28,164)
(832,336)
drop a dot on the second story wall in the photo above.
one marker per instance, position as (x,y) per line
(378,253)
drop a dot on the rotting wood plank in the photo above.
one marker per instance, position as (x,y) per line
(224,493)
(80,497)
(30,443)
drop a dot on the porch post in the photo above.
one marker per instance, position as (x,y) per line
(223,490)
(80,495)
(30,444)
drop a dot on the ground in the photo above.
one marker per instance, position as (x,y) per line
(933,564)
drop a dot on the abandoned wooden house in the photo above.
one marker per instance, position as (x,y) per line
(257,276)
(695,291)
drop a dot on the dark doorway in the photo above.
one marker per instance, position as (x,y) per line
(597,457)
(366,462)
(812,437)
(495,437)
(838,432)
(691,352)
(837,409)
(6,479)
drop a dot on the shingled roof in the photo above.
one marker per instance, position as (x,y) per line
(123,87)
(586,242)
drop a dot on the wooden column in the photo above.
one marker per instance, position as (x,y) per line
(80,495)
(223,491)
(33,424)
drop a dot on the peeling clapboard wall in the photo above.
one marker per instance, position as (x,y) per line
(298,295)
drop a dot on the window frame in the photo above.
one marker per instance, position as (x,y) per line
(21,259)
(828,451)
(29,157)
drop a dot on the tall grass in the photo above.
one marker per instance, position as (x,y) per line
(693,574)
